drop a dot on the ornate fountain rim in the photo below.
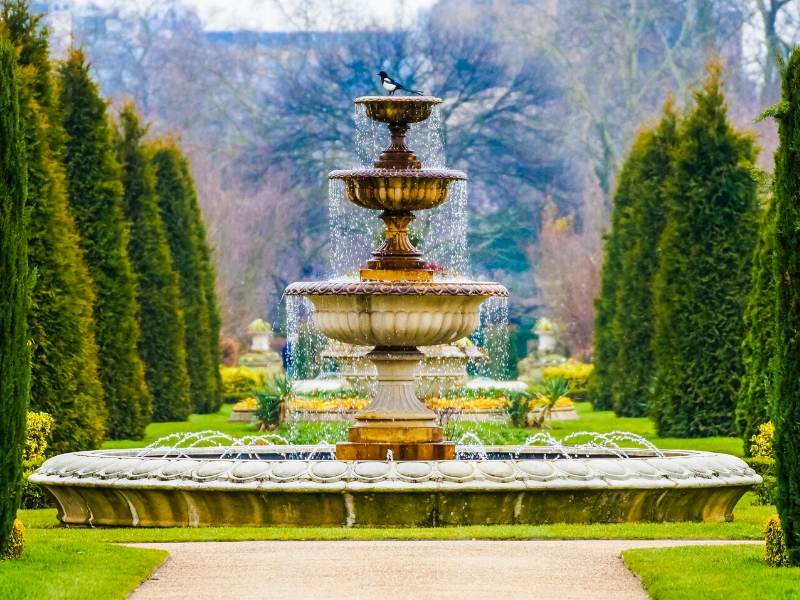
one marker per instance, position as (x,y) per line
(441,174)
(193,467)
(396,99)
(396,288)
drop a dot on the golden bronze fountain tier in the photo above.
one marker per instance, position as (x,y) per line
(397,186)
(396,305)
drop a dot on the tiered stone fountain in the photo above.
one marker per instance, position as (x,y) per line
(396,469)
(396,306)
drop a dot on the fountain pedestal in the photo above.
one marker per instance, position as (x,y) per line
(396,421)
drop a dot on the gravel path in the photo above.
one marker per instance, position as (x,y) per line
(402,570)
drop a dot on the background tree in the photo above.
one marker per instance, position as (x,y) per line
(64,378)
(208,278)
(606,345)
(14,295)
(704,271)
(647,167)
(96,197)
(758,347)
(161,345)
(787,315)
(181,216)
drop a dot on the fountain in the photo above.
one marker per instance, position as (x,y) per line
(395,468)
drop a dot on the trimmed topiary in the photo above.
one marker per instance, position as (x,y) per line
(14,300)
(180,214)
(647,167)
(16,542)
(162,342)
(775,551)
(96,197)
(64,379)
(786,398)
(704,271)
(758,347)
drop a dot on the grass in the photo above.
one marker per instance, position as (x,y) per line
(490,433)
(711,573)
(70,566)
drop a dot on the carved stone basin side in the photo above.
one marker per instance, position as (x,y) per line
(399,315)
(397,189)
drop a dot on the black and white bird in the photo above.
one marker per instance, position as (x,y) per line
(391,86)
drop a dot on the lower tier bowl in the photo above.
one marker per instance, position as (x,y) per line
(257,486)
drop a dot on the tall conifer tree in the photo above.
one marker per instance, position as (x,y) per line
(606,346)
(161,318)
(96,197)
(787,315)
(209,278)
(64,378)
(758,348)
(704,271)
(186,235)
(647,167)
(14,294)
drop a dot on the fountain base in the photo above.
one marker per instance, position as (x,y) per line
(397,451)
(305,486)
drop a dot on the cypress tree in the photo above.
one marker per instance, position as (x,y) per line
(14,295)
(180,213)
(209,281)
(96,196)
(787,311)
(161,345)
(606,346)
(648,167)
(704,271)
(64,378)
(758,347)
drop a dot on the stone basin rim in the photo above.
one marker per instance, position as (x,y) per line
(372,173)
(396,288)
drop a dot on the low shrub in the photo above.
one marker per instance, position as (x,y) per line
(39,427)
(761,442)
(775,552)
(270,398)
(766,491)
(17,541)
(517,408)
(239,382)
(554,390)
(762,461)
(576,373)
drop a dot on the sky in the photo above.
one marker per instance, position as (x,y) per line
(267,15)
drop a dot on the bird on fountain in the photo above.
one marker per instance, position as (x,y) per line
(391,86)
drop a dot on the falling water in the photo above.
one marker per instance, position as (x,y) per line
(355,232)
(444,238)
(304,342)
(493,336)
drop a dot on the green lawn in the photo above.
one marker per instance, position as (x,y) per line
(490,433)
(711,573)
(70,565)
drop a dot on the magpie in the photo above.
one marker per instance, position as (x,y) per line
(391,86)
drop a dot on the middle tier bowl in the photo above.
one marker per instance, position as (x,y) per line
(396,314)
(397,189)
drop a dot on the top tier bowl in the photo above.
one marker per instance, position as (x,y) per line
(398,110)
